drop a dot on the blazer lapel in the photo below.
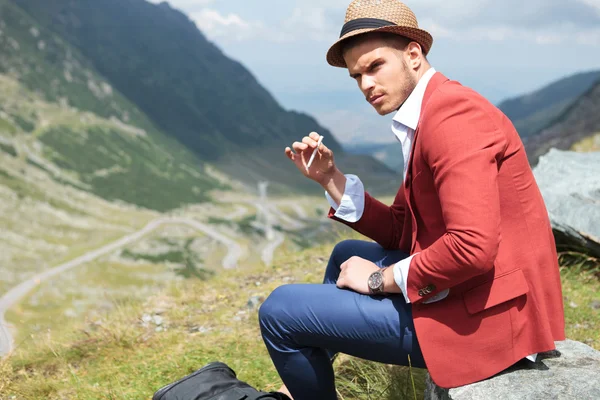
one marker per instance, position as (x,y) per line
(436,81)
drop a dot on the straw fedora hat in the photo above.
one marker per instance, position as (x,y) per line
(365,16)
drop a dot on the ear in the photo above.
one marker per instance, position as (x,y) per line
(414,54)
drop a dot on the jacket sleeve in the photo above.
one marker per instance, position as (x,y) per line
(463,149)
(379,222)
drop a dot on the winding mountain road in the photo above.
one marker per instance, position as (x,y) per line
(16,294)
(234,253)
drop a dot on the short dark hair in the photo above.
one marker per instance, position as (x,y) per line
(394,40)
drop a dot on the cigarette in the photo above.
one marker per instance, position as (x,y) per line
(312,157)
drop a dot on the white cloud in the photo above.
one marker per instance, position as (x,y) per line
(589,38)
(229,27)
(184,4)
(540,22)
(309,23)
(561,35)
(591,3)
(436,30)
(545,35)
(302,24)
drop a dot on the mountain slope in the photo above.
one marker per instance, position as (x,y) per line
(578,121)
(58,113)
(534,111)
(157,57)
(388,153)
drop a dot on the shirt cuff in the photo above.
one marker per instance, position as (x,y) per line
(401,276)
(401,270)
(352,205)
(532,357)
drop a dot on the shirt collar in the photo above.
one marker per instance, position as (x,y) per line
(410,112)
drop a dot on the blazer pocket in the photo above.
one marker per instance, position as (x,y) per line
(503,288)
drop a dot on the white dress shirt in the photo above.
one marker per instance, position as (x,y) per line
(352,205)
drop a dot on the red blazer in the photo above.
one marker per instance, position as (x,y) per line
(471,208)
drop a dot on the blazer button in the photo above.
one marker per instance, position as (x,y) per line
(421,293)
(430,288)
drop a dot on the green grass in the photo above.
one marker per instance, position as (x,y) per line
(6,126)
(244,225)
(99,286)
(589,144)
(138,167)
(114,356)
(581,293)
(26,124)
(191,265)
(8,149)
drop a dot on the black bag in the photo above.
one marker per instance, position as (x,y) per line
(215,381)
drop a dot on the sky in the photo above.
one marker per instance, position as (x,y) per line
(499,48)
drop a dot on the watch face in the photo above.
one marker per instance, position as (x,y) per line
(375,280)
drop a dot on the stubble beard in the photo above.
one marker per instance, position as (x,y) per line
(409,85)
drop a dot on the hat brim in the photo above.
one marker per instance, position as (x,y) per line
(335,56)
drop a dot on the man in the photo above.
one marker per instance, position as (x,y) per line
(481,288)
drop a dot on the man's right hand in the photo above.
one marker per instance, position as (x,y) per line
(323,166)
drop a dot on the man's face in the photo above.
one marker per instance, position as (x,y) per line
(381,73)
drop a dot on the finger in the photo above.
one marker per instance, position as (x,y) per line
(344,265)
(299,147)
(341,282)
(325,150)
(290,154)
(314,136)
(309,141)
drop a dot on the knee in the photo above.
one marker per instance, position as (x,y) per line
(344,249)
(273,313)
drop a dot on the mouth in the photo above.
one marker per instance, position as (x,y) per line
(375,99)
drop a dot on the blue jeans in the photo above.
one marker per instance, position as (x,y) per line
(304,325)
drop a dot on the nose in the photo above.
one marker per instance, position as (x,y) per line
(367,84)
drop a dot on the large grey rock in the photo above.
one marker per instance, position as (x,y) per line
(571,372)
(570,184)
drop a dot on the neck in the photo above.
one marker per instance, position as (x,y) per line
(423,70)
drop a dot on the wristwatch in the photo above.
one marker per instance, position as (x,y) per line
(375,281)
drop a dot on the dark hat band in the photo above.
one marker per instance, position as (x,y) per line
(362,23)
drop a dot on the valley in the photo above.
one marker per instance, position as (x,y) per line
(65,252)
(103,204)
(141,253)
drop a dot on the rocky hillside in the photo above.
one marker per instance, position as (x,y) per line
(534,111)
(158,58)
(577,122)
(58,113)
